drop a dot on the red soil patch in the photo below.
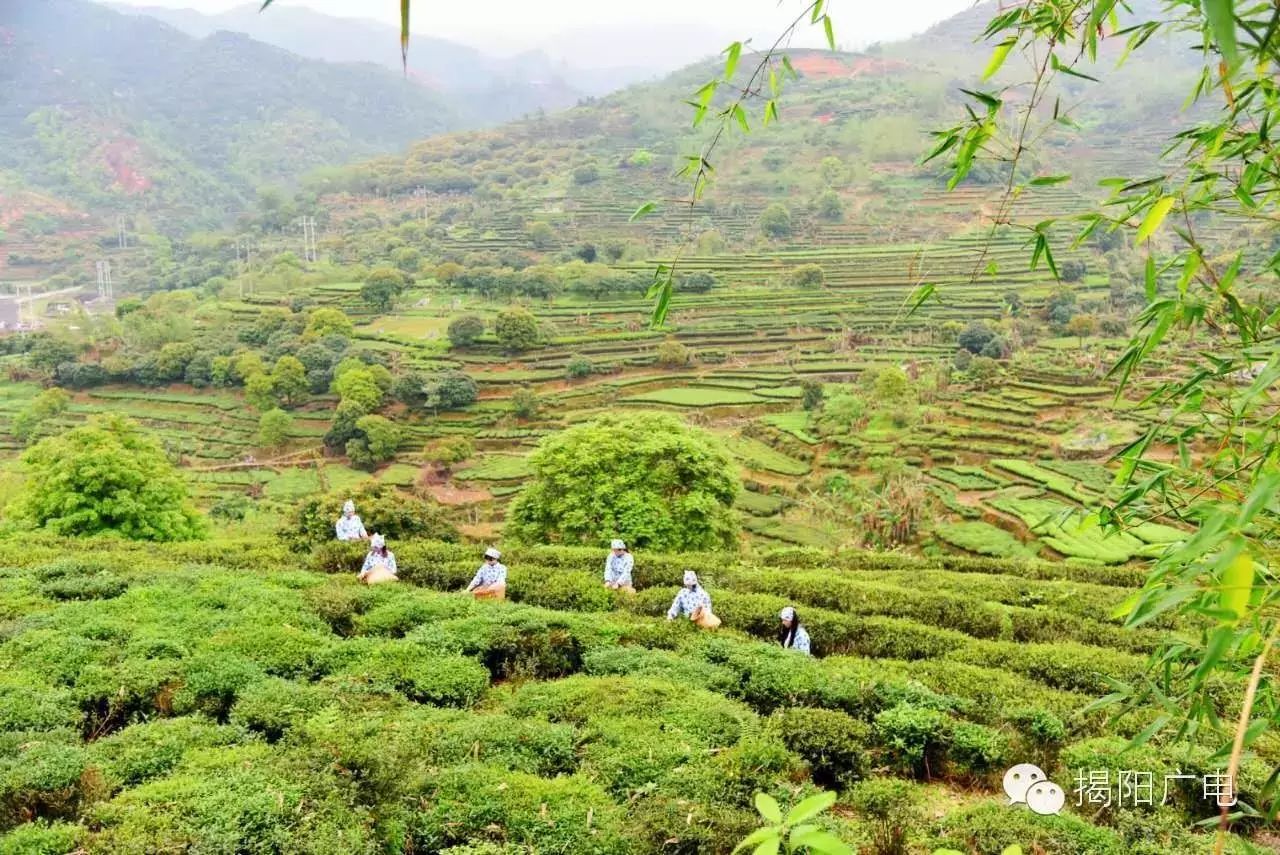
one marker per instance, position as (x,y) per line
(118,154)
(822,66)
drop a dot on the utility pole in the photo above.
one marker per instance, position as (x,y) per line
(309,251)
(30,303)
(105,290)
(122,236)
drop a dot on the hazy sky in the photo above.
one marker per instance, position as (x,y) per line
(505,26)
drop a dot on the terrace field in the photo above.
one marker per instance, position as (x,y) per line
(231,696)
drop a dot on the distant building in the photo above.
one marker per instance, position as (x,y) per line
(8,313)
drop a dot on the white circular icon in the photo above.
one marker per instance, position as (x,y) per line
(1018,779)
(1045,798)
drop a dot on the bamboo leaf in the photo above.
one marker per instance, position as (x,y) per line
(1154,218)
(643,211)
(770,112)
(1157,725)
(404,34)
(1237,585)
(817,11)
(1048,180)
(741,116)
(826,28)
(734,51)
(1221,18)
(998,56)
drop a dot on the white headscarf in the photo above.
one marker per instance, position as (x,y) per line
(348,508)
(492,553)
(787,614)
(617,544)
(690,578)
(377,542)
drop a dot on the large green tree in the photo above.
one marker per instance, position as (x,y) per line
(516,329)
(648,478)
(106,477)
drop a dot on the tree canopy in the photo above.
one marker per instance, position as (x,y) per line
(648,478)
(106,477)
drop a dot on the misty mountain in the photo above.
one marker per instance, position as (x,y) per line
(125,111)
(487,89)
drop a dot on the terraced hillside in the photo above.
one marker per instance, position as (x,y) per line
(797,268)
(229,696)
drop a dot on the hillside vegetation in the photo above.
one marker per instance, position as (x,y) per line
(125,113)
(233,697)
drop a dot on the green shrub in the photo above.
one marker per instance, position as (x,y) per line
(238,799)
(280,650)
(100,586)
(630,754)
(667,823)
(976,750)
(44,778)
(714,720)
(641,661)
(893,809)
(339,605)
(419,675)
(759,762)
(988,829)
(575,592)
(112,695)
(40,838)
(518,644)
(834,745)
(913,738)
(27,702)
(473,804)
(142,752)
(381,507)
(211,682)
(275,706)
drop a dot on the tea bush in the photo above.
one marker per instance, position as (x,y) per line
(224,700)
(40,838)
(989,829)
(835,746)
(476,803)
(382,508)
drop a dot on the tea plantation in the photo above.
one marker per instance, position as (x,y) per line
(229,696)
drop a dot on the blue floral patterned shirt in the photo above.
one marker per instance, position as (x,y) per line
(489,574)
(349,528)
(688,601)
(617,568)
(373,559)
(800,641)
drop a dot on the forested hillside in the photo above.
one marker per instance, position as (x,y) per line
(483,88)
(121,113)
